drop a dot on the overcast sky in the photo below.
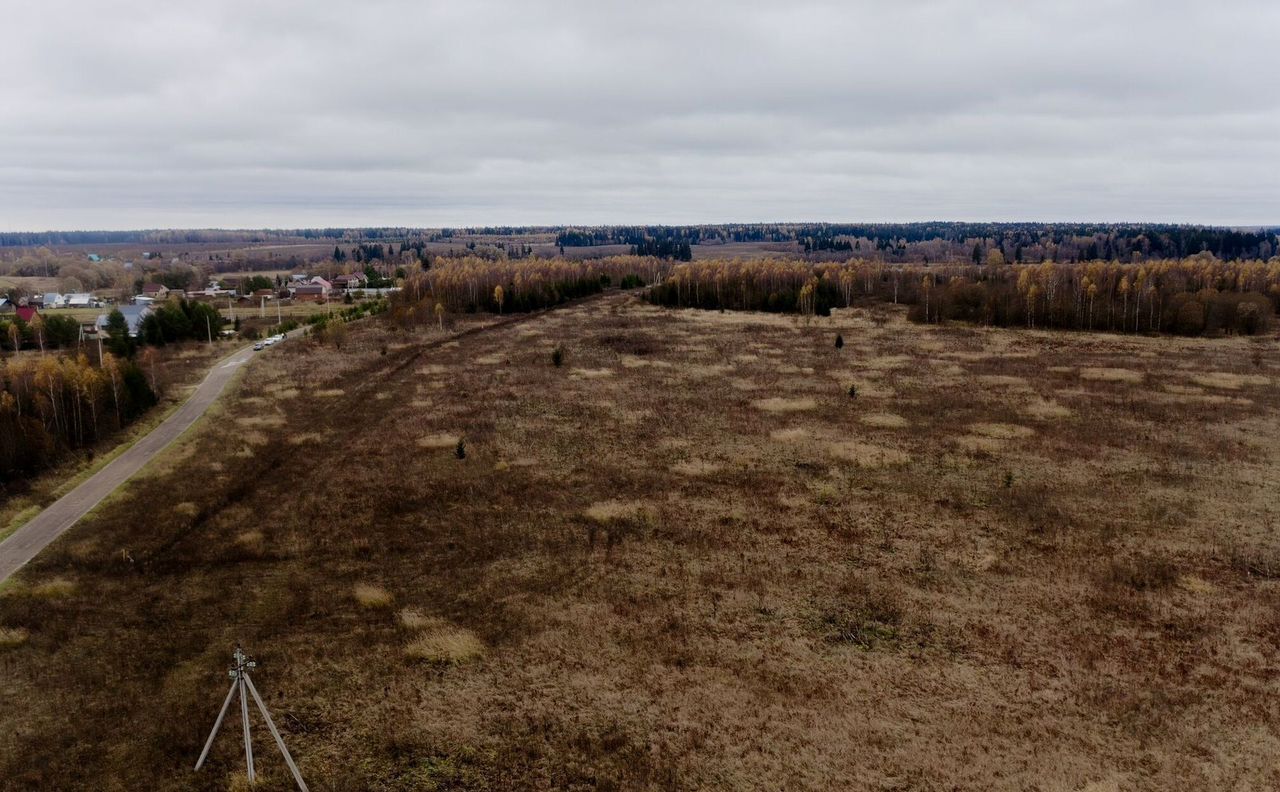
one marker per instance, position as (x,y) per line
(257,113)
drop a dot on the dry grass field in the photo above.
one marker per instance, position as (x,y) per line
(685,559)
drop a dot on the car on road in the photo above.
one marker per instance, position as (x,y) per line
(258,347)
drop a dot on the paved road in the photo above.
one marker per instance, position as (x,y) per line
(24,543)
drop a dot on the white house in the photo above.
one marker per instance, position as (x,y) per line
(54,300)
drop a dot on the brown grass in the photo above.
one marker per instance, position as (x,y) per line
(647,580)
(371,596)
(443,644)
(1112,374)
(780,404)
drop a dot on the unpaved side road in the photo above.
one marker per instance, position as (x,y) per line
(24,543)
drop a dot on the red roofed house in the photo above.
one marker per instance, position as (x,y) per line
(26,312)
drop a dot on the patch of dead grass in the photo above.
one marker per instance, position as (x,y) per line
(791,435)
(1001,431)
(1046,409)
(695,467)
(778,404)
(54,588)
(1107,374)
(11,637)
(610,510)
(440,643)
(884,420)
(371,596)
(438,440)
(1224,380)
(868,455)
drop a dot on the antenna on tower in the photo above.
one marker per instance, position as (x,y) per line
(242,685)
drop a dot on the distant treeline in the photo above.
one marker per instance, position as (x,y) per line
(201,236)
(1193,296)
(941,242)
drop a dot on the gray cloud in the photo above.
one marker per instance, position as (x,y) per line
(237,113)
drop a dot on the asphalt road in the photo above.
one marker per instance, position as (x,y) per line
(24,543)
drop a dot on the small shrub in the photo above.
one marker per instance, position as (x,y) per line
(1144,573)
(866,617)
(557,357)
(853,391)
(839,341)
(460,450)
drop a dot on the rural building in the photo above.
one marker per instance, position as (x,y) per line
(133,316)
(53,300)
(26,312)
(155,291)
(310,292)
(79,300)
(356,280)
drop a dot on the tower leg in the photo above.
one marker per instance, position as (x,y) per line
(248,743)
(297,776)
(222,713)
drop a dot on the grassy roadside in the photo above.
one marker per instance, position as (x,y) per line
(53,484)
(180,449)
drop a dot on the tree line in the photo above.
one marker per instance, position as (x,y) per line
(1191,296)
(54,404)
(473,284)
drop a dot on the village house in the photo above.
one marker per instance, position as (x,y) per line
(310,292)
(356,280)
(156,291)
(133,317)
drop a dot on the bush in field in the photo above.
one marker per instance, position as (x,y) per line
(557,357)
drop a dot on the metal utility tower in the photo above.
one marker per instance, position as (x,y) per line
(242,685)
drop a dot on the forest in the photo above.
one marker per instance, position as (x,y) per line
(474,284)
(942,241)
(52,404)
(1193,296)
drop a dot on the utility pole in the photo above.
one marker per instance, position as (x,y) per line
(243,686)
(209,328)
